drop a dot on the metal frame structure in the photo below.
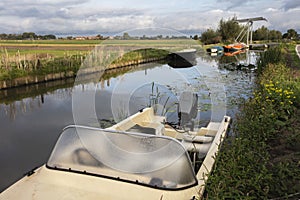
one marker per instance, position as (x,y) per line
(248,29)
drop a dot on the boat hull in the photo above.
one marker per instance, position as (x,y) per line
(183,59)
(48,182)
(234,47)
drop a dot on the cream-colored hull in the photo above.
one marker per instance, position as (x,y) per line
(50,184)
(47,183)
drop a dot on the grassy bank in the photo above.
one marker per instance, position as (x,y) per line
(35,58)
(263,160)
(37,65)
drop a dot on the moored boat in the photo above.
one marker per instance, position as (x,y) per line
(234,47)
(140,157)
(182,59)
(215,49)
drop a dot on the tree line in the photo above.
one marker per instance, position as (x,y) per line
(228,30)
(26,36)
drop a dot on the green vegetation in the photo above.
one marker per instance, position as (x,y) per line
(24,58)
(211,36)
(262,161)
(26,36)
(229,29)
(263,33)
(51,42)
(12,67)
(290,34)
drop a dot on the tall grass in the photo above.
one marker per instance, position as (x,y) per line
(15,66)
(272,56)
(12,67)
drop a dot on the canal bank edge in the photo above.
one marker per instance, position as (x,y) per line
(33,79)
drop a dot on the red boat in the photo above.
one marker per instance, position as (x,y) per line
(234,47)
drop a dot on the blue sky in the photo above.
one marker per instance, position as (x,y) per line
(79,17)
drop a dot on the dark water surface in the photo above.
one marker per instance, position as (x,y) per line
(31,118)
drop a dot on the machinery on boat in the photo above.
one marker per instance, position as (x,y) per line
(141,157)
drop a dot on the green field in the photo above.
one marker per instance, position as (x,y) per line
(58,48)
(53,42)
(20,58)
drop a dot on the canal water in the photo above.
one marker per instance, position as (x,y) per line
(32,117)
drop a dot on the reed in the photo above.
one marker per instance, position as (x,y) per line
(272,56)
(18,65)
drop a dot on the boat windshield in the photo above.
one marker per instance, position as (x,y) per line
(149,160)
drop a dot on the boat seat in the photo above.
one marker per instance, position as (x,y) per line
(197,139)
(202,149)
(145,119)
(141,129)
(205,131)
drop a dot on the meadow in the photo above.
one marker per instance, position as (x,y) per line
(21,58)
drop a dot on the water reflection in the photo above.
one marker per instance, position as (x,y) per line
(238,60)
(32,117)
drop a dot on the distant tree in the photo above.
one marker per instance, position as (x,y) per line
(26,36)
(210,37)
(229,29)
(261,33)
(29,35)
(100,37)
(275,35)
(159,36)
(196,37)
(290,34)
(126,36)
(3,36)
(48,37)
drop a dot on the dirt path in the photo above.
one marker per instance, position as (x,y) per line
(298,50)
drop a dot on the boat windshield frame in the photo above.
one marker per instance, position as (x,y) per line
(159,162)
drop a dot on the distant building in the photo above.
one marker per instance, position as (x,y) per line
(80,38)
(97,37)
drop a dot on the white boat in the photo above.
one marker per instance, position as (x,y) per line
(215,49)
(121,162)
(182,59)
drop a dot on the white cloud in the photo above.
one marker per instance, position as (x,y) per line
(271,10)
(291,4)
(84,16)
